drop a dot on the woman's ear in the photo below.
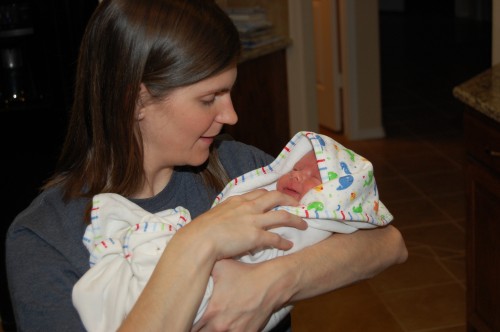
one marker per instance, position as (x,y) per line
(140,109)
(140,114)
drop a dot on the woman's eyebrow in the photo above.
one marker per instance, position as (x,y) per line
(215,92)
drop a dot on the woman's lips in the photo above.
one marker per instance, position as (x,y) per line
(207,139)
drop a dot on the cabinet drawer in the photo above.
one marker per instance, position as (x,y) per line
(482,138)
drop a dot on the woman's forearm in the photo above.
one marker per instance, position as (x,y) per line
(175,289)
(340,260)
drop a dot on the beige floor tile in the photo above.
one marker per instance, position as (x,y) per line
(396,189)
(452,148)
(392,148)
(355,308)
(416,212)
(456,266)
(422,162)
(382,169)
(445,239)
(405,276)
(452,204)
(440,182)
(460,328)
(431,307)
(461,222)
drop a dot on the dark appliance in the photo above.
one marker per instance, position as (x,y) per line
(17,86)
(39,43)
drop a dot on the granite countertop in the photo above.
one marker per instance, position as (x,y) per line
(482,93)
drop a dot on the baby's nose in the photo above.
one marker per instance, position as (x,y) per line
(297,176)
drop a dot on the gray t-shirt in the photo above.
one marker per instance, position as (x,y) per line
(45,254)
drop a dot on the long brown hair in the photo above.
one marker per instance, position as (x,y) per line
(163,44)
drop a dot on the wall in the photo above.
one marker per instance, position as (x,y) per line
(301,68)
(361,58)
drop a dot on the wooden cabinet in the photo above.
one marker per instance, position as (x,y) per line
(260,95)
(260,98)
(482,135)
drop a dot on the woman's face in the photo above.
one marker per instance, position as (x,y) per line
(180,129)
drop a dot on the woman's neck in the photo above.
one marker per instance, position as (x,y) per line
(154,183)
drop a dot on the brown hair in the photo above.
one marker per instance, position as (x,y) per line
(163,44)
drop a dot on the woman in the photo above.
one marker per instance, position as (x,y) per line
(152,92)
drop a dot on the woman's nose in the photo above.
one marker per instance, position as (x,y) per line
(227,114)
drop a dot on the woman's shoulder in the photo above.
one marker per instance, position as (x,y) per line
(45,206)
(49,219)
(239,158)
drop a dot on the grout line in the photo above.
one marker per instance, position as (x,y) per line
(416,288)
(423,194)
(439,328)
(387,307)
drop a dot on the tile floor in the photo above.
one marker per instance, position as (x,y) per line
(418,167)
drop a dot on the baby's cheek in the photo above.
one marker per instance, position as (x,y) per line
(281,183)
(311,183)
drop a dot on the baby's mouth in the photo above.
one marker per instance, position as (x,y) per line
(290,192)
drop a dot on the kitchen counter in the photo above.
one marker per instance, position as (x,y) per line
(481,96)
(482,93)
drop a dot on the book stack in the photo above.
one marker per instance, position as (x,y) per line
(254,26)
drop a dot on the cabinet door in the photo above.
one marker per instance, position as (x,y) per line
(260,98)
(483,248)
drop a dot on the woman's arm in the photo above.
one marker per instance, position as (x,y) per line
(245,295)
(239,224)
(176,287)
(343,259)
(40,281)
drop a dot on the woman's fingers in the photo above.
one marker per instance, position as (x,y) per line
(242,223)
(274,219)
(262,200)
(274,240)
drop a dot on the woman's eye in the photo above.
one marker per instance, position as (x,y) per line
(208,102)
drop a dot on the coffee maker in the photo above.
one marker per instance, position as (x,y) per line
(18,87)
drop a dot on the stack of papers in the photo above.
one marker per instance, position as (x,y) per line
(254,26)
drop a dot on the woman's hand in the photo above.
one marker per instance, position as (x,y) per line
(241,223)
(241,298)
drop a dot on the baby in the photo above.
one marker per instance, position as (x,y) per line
(335,187)
(304,176)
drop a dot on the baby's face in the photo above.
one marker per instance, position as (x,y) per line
(304,176)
